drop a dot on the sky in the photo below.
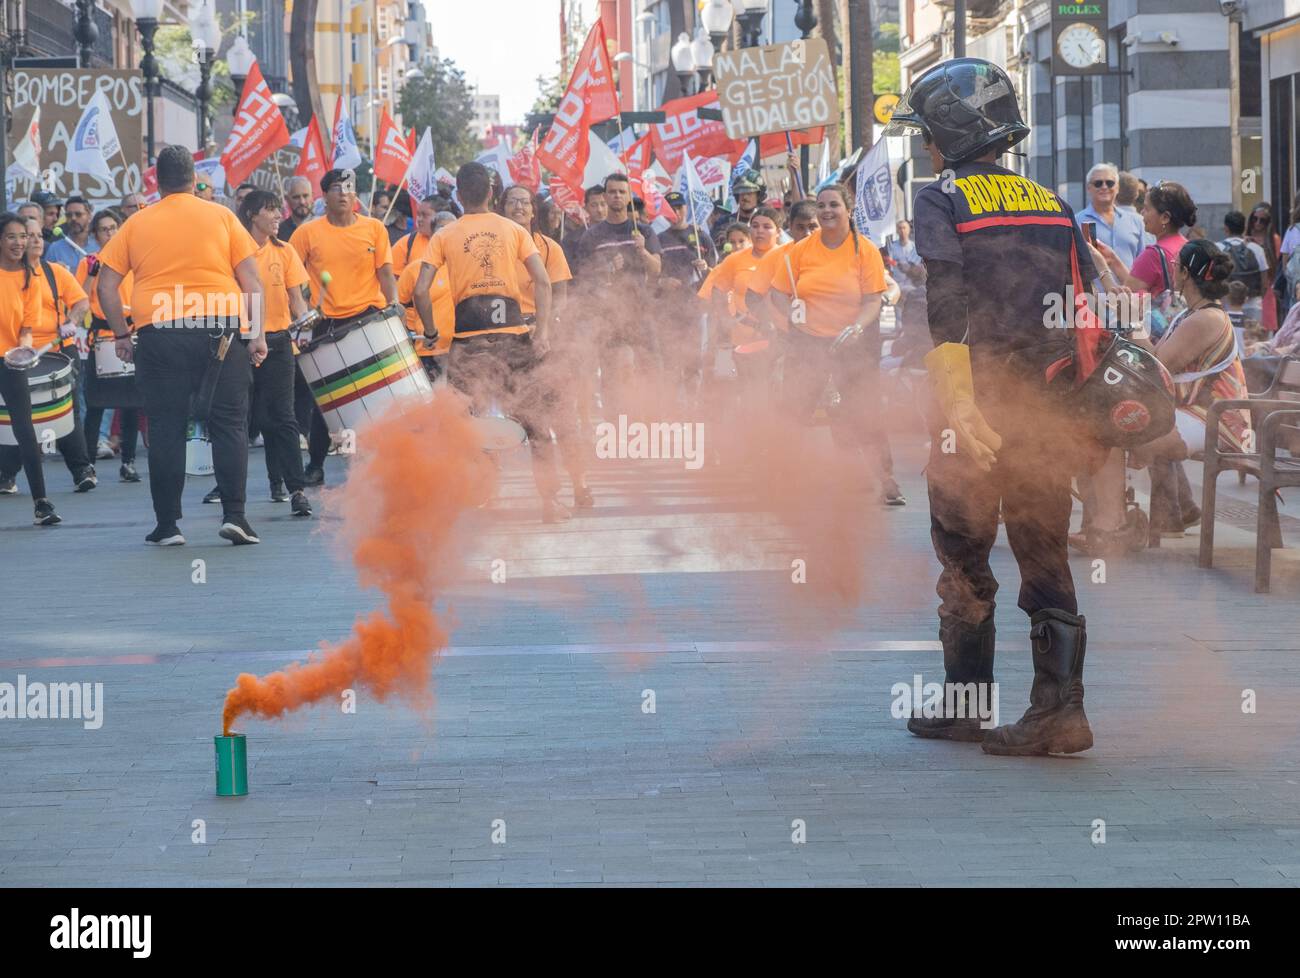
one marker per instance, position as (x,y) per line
(502,45)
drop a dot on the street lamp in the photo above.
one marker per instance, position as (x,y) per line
(146,14)
(240,59)
(85,32)
(683,58)
(205,36)
(805,18)
(751,14)
(716,16)
(702,54)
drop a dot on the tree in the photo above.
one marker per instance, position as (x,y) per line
(443,102)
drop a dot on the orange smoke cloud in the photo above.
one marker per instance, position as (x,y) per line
(417,471)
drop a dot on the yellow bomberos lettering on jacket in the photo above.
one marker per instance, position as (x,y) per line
(1005,193)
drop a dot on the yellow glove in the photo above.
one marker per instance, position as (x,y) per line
(949,368)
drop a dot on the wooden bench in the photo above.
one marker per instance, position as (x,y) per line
(1272,415)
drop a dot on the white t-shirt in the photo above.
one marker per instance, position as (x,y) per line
(1291,240)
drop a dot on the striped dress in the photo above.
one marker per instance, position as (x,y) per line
(1229,383)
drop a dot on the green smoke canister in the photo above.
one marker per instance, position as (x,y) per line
(232,765)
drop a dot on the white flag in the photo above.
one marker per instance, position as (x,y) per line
(497,158)
(699,205)
(94,142)
(27,154)
(873,211)
(422,177)
(347,155)
(601,162)
(824,168)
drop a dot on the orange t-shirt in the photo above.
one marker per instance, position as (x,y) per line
(831,282)
(407,249)
(281,270)
(444,310)
(484,255)
(761,280)
(19,307)
(46,328)
(352,255)
(183,251)
(557,267)
(90,284)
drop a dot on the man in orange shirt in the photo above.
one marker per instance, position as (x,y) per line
(62,303)
(495,347)
(195,268)
(354,249)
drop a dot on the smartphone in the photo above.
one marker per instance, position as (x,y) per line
(1090,232)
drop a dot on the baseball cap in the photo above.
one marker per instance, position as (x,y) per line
(46,199)
(674,199)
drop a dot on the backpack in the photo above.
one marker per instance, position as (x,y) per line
(1245,266)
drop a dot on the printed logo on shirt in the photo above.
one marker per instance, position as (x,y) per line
(1000,193)
(487,250)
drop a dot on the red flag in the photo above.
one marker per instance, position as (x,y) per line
(393,155)
(258,132)
(683,131)
(312,164)
(525,170)
(637,157)
(411,141)
(570,200)
(590,98)
(774,144)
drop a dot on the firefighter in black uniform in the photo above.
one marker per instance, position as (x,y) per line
(996,246)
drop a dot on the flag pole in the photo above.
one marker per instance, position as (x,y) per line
(396,193)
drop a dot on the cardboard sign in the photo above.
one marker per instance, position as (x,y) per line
(777,88)
(266,176)
(63,95)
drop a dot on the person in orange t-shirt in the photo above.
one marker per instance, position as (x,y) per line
(19,310)
(830,293)
(59,309)
(356,253)
(487,259)
(283,277)
(107,393)
(444,310)
(410,246)
(195,277)
(523,207)
(730,280)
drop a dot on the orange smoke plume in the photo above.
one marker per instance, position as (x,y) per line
(417,471)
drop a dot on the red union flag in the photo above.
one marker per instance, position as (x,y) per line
(683,131)
(258,132)
(394,154)
(570,200)
(312,163)
(524,168)
(590,98)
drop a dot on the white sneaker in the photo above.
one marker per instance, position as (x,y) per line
(104,449)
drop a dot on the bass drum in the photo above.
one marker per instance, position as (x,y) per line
(107,385)
(50,382)
(359,368)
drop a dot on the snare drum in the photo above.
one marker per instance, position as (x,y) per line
(50,381)
(107,363)
(359,367)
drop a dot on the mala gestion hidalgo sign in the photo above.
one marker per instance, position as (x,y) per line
(777,88)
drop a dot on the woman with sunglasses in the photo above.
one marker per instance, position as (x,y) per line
(1168,209)
(1260,230)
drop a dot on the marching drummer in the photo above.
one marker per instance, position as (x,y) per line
(186,249)
(282,279)
(62,305)
(19,309)
(432,357)
(355,251)
(495,351)
(110,386)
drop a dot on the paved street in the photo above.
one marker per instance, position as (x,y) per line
(771,709)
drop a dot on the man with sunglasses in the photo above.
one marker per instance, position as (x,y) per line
(1118,229)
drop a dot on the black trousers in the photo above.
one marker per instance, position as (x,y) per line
(71,446)
(169,368)
(855,422)
(1030,483)
(18,402)
(130,419)
(273,411)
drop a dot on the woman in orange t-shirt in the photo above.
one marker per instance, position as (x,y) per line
(829,286)
(728,283)
(103,393)
(19,310)
(283,276)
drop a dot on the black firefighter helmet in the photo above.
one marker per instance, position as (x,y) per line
(1126,400)
(965,107)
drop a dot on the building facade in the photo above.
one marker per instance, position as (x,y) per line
(1275,24)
